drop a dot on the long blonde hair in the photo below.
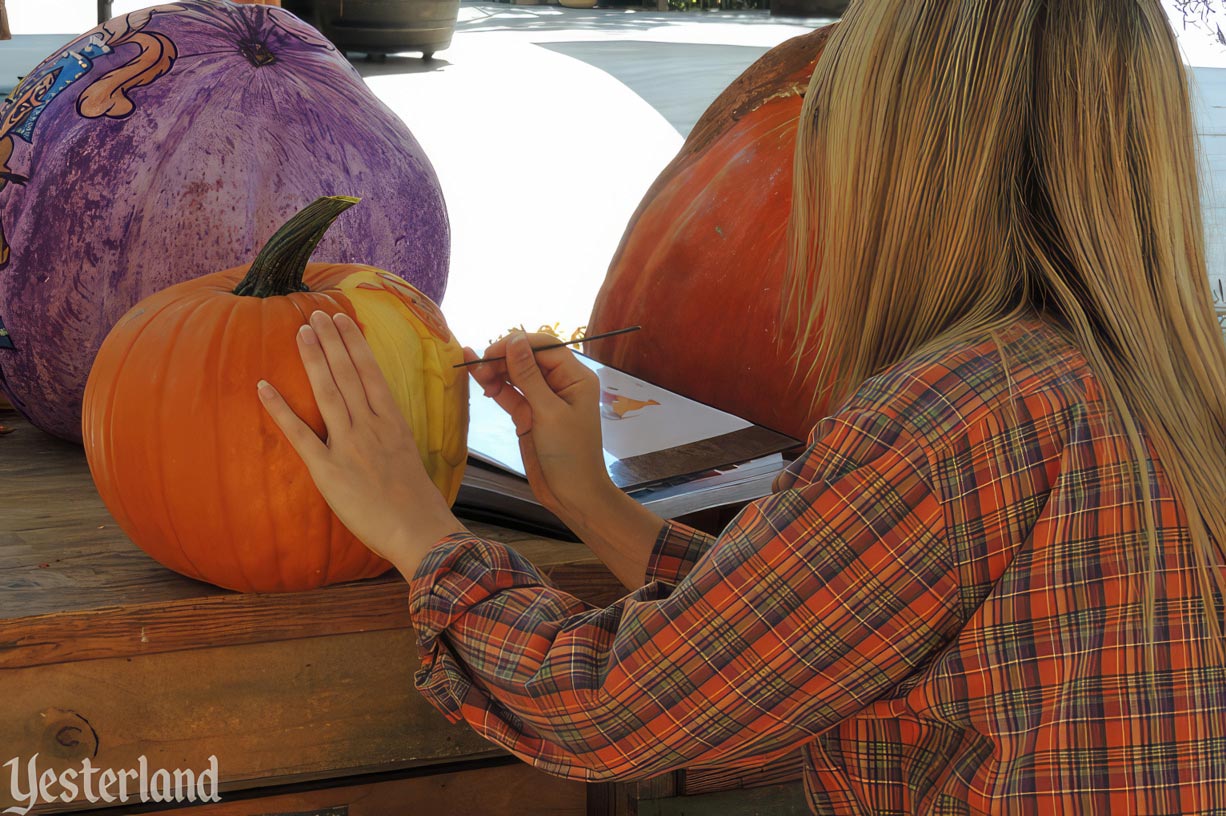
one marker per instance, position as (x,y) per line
(960,162)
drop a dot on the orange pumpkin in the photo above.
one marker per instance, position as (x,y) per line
(701,263)
(185,456)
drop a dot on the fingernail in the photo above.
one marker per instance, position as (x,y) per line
(308,335)
(518,346)
(264,389)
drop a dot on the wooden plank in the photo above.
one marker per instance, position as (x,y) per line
(622,798)
(142,629)
(788,769)
(272,713)
(777,800)
(73,587)
(509,790)
(694,787)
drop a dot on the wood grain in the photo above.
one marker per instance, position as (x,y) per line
(510,790)
(622,798)
(74,587)
(776,800)
(272,713)
(702,792)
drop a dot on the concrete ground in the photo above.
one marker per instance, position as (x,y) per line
(546,125)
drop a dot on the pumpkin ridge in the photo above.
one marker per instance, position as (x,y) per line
(325,540)
(112,395)
(332,529)
(274,528)
(130,243)
(216,342)
(159,476)
(331,522)
(687,215)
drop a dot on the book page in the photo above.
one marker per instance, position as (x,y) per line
(636,418)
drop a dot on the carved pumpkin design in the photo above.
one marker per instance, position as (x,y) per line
(183,453)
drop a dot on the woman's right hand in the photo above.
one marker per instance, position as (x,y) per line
(554,401)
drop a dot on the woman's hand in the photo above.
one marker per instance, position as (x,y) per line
(368,469)
(554,401)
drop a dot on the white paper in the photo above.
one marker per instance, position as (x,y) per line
(636,418)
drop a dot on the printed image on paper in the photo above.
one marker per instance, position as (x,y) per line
(636,418)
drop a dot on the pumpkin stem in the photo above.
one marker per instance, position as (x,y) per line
(279,267)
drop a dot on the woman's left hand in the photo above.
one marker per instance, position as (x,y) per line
(368,469)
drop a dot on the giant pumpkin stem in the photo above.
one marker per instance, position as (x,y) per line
(279,267)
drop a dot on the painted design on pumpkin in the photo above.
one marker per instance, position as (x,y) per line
(619,406)
(283,21)
(106,96)
(184,177)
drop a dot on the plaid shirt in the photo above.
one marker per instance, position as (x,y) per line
(941,603)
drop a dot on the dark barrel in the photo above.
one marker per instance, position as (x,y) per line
(387,26)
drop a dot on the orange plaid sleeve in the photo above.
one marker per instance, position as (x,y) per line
(676,551)
(813,603)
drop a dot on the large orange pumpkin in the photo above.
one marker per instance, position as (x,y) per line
(701,263)
(185,456)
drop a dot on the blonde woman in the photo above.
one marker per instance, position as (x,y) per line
(994,581)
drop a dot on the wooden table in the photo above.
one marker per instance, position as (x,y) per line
(105,654)
(306,699)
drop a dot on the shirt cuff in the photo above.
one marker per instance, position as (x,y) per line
(460,572)
(677,549)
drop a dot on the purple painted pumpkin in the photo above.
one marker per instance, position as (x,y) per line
(172,142)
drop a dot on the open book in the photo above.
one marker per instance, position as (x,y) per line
(673,454)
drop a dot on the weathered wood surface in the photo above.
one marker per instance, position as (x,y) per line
(73,586)
(106,654)
(776,800)
(703,792)
(510,790)
(623,798)
(272,713)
